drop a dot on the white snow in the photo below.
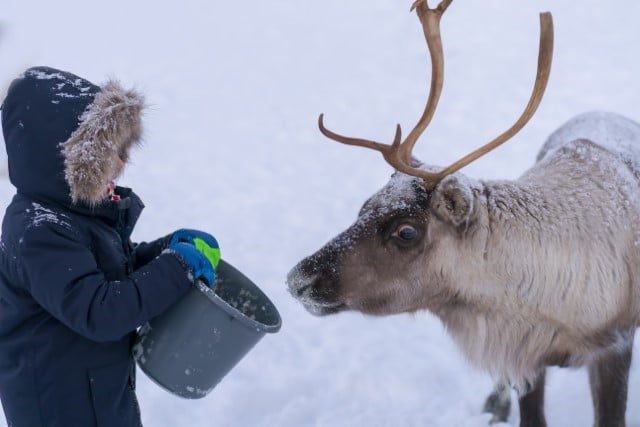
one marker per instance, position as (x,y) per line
(616,133)
(232,147)
(41,215)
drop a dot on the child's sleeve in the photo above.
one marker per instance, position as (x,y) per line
(62,274)
(145,252)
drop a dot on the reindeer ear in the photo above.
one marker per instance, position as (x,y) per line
(452,200)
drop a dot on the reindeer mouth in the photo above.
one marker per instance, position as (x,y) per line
(314,303)
(306,289)
(324,309)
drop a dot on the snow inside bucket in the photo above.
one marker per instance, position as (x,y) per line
(190,347)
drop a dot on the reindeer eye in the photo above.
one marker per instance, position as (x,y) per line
(406,232)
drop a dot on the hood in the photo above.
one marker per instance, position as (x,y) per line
(64,134)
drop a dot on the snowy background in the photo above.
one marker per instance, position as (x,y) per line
(232,147)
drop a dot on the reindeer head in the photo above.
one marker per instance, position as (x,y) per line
(398,255)
(390,260)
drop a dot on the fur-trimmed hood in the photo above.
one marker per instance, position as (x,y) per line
(64,134)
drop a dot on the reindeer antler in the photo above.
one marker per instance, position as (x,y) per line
(398,154)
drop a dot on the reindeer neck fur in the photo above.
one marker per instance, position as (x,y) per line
(554,284)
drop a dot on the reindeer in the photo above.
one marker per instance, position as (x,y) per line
(535,272)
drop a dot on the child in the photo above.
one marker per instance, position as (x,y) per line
(73,288)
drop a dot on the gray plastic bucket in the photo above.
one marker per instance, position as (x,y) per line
(189,348)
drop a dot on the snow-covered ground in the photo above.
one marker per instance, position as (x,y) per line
(232,147)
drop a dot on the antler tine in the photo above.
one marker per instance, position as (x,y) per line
(398,154)
(430,20)
(383,148)
(545,55)
(444,4)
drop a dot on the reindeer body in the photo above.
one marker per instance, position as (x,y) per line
(558,280)
(543,270)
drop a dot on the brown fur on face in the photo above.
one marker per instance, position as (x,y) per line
(109,127)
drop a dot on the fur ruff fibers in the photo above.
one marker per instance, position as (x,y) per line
(108,128)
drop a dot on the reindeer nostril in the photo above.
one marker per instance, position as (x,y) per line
(298,292)
(298,282)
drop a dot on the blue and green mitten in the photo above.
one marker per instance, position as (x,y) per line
(199,250)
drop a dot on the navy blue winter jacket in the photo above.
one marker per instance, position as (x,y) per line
(73,288)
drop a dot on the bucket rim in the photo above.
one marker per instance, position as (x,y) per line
(234,312)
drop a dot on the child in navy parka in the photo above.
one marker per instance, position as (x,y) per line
(73,287)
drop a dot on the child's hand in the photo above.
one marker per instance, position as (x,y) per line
(200,261)
(204,242)
(188,236)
